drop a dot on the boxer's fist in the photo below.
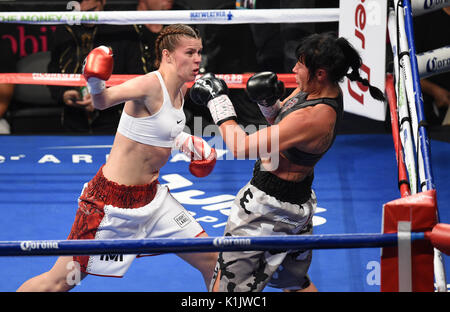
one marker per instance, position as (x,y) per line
(203,166)
(213,92)
(264,88)
(97,68)
(206,88)
(203,157)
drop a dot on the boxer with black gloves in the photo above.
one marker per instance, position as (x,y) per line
(213,92)
(266,90)
(279,200)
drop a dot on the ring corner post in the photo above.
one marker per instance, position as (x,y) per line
(403,216)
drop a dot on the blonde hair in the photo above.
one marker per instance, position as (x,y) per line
(169,37)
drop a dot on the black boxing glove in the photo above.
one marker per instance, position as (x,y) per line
(265,89)
(212,92)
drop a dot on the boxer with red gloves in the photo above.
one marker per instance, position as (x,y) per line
(203,157)
(125,200)
(97,68)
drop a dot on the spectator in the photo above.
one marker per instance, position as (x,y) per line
(7,64)
(146,36)
(228,49)
(435,89)
(276,43)
(71,46)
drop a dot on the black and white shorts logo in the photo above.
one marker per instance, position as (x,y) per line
(182,219)
(112,257)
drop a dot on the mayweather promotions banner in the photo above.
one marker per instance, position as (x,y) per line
(363,23)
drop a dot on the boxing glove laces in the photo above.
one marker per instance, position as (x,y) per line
(212,92)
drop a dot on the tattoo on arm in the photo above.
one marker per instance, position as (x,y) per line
(325,141)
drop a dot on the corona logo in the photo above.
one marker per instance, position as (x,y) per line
(436,64)
(30,245)
(428,4)
(221,241)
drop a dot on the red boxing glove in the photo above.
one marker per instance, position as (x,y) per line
(203,157)
(97,68)
(203,167)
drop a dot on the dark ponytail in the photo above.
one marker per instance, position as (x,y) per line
(336,56)
(354,62)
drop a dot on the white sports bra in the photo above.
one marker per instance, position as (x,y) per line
(159,129)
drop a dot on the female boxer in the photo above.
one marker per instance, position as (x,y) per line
(125,200)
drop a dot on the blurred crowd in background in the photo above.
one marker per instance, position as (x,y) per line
(239,48)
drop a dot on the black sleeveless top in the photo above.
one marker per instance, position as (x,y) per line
(299,101)
(296,192)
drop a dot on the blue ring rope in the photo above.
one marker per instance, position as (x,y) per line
(200,244)
(423,136)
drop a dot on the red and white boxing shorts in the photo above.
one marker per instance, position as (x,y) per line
(107,210)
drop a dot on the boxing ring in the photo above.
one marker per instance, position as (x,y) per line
(41,176)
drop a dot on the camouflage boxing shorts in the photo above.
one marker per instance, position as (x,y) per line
(255,213)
